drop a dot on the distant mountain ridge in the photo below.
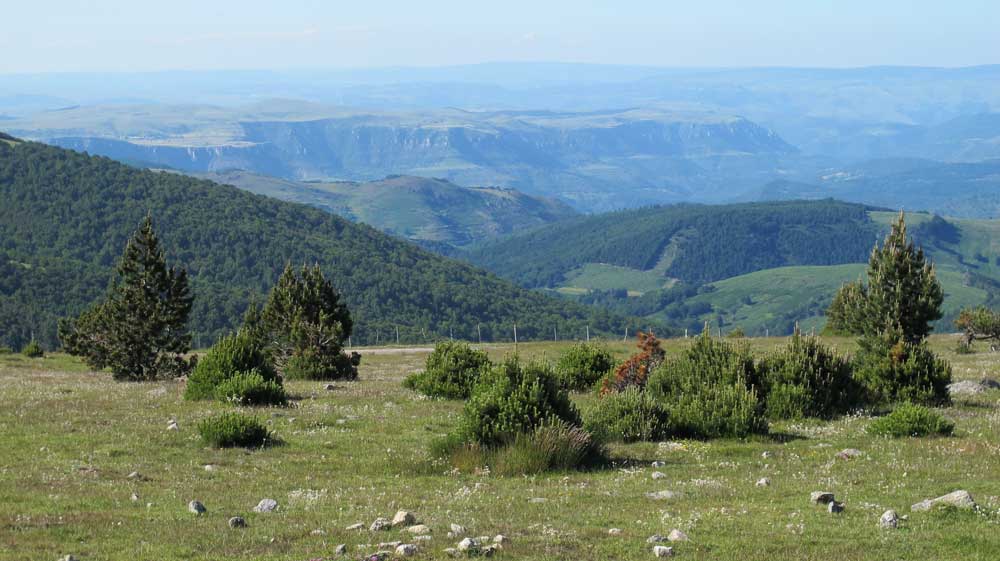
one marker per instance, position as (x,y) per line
(432,212)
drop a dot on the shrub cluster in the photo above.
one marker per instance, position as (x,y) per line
(630,415)
(232,355)
(806,379)
(451,371)
(232,429)
(251,388)
(908,419)
(583,365)
(892,370)
(33,350)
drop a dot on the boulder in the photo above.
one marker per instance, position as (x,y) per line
(419,529)
(676,535)
(972,387)
(406,550)
(763,482)
(340,549)
(958,499)
(237,522)
(380,524)
(821,497)
(663,551)
(889,519)
(833,507)
(403,518)
(266,505)
(469,545)
(196,507)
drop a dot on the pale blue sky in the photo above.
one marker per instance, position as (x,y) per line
(139,35)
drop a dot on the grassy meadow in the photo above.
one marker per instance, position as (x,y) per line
(71,437)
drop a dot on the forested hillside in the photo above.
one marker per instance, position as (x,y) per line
(66,216)
(691,243)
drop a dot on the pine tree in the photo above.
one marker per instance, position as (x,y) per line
(306,325)
(902,293)
(139,329)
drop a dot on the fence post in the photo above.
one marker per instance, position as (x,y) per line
(515,337)
(588,333)
(479,331)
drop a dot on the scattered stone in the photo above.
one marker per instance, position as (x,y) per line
(340,549)
(958,499)
(659,463)
(659,475)
(663,551)
(537,500)
(378,556)
(135,497)
(833,507)
(820,497)
(380,524)
(209,467)
(353,527)
(135,475)
(68,558)
(489,550)
(389,545)
(457,530)
(971,387)
(266,505)
(889,519)
(196,507)
(329,387)
(406,550)
(451,552)
(671,446)
(403,518)
(501,540)
(763,482)
(424,538)
(172,425)
(656,538)
(661,495)
(765,454)
(317,532)
(615,532)
(237,522)
(849,454)
(468,544)
(419,529)
(676,535)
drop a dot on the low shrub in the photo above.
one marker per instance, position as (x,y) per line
(451,371)
(891,370)
(513,399)
(233,429)
(317,363)
(806,379)
(232,354)
(908,419)
(33,350)
(250,388)
(583,365)
(5,350)
(630,415)
(712,390)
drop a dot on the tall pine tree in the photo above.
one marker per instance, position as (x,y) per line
(139,329)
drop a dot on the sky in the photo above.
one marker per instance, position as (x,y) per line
(147,35)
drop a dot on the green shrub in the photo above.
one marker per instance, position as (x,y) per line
(319,363)
(908,419)
(554,446)
(451,371)
(583,365)
(233,429)
(630,415)
(232,354)
(712,391)
(892,370)
(250,388)
(806,379)
(513,399)
(33,350)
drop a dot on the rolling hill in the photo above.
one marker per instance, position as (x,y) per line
(66,216)
(762,267)
(432,212)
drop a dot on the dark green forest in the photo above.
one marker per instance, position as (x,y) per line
(694,243)
(65,217)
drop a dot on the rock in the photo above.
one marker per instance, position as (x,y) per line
(676,535)
(468,544)
(889,519)
(663,551)
(671,446)
(196,507)
(329,387)
(425,538)
(451,552)
(317,532)
(68,558)
(821,497)
(958,499)
(419,529)
(849,454)
(615,532)
(489,550)
(403,518)
(659,475)
(763,482)
(358,526)
(380,524)
(266,505)
(237,522)
(340,549)
(406,550)
(659,463)
(389,545)
(457,530)
(135,475)
(656,538)
(537,500)
(972,387)
(661,495)
(135,497)
(172,425)
(833,507)
(501,540)
(765,454)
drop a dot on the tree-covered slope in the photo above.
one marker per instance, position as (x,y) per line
(692,243)
(65,217)
(425,210)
